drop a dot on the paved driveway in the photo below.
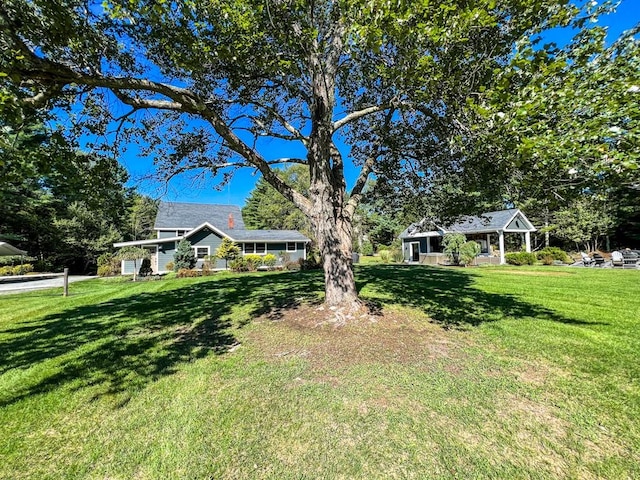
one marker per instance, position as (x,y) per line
(30,285)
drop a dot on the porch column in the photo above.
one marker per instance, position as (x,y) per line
(489,252)
(428,244)
(501,245)
(527,241)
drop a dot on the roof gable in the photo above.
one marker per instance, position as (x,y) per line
(519,223)
(184,216)
(510,220)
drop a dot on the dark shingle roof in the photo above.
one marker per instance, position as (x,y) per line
(190,215)
(487,222)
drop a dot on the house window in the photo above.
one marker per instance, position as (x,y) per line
(259,248)
(201,252)
(291,247)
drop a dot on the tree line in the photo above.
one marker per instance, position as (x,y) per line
(62,206)
(451,104)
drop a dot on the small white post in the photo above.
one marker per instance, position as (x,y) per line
(428,244)
(501,245)
(527,241)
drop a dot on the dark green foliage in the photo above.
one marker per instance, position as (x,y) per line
(309,263)
(520,258)
(555,253)
(184,256)
(63,207)
(145,268)
(468,252)
(266,209)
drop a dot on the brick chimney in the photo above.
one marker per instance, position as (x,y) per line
(230,222)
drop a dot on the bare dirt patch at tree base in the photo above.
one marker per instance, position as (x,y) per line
(311,331)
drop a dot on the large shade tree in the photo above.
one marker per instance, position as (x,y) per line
(348,81)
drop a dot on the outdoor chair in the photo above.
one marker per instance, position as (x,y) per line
(630,259)
(617,260)
(598,259)
(587,260)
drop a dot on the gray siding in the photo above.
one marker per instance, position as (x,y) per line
(165,255)
(207,238)
(167,233)
(278,249)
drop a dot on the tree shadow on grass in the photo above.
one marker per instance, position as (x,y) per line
(120,345)
(448,296)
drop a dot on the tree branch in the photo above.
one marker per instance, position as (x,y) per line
(356,192)
(290,128)
(358,114)
(181,100)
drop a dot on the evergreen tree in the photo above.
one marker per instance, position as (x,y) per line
(184,257)
(227,251)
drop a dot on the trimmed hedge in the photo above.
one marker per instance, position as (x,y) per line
(554,252)
(520,258)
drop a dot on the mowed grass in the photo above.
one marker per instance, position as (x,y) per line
(458,373)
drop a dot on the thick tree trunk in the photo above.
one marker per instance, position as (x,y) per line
(327,191)
(334,241)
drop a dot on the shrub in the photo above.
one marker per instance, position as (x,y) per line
(238,265)
(22,269)
(520,258)
(452,243)
(7,270)
(554,252)
(290,265)
(187,272)
(269,260)
(469,251)
(252,262)
(385,255)
(396,255)
(104,271)
(366,249)
(145,268)
(169,266)
(108,264)
(185,257)
(546,259)
(310,263)
(206,269)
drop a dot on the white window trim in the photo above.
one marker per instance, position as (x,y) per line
(255,250)
(195,250)
(295,248)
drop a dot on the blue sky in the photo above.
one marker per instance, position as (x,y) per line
(187,189)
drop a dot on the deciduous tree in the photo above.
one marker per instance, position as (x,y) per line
(207,81)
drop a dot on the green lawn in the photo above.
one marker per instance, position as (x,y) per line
(468,373)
